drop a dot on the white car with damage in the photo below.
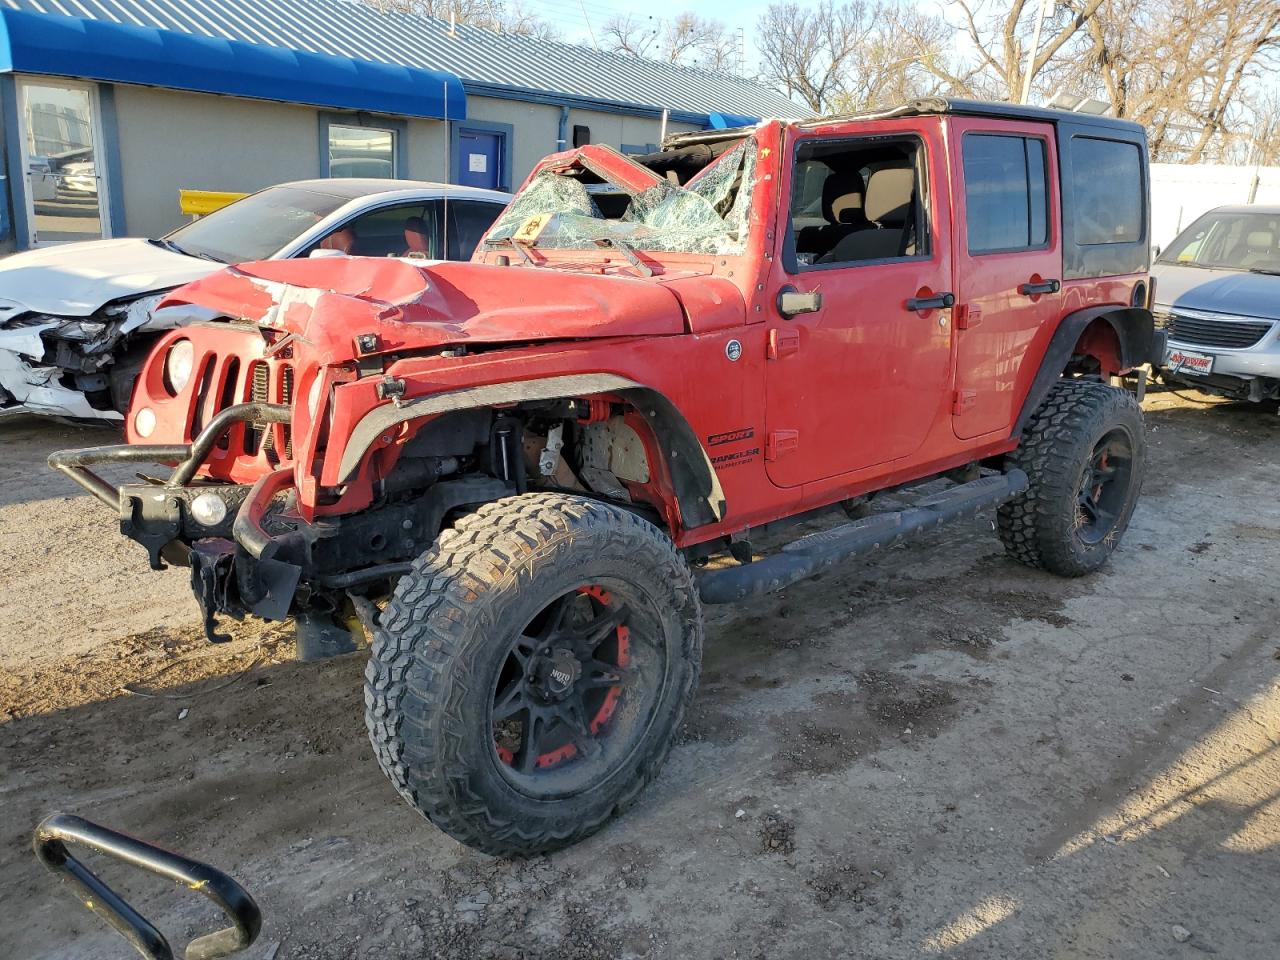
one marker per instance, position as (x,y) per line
(78,319)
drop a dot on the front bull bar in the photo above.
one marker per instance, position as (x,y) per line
(189,457)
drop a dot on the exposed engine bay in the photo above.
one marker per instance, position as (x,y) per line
(81,367)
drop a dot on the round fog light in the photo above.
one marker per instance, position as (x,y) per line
(209,509)
(144,422)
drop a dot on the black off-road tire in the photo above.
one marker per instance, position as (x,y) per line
(1041,527)
(441,642)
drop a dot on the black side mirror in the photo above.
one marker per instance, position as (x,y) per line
(792,303)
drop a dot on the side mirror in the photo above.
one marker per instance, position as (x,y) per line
(320,253)
(1155,251)
(792,303)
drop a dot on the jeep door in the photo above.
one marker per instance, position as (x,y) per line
(862,374)
(1008,262)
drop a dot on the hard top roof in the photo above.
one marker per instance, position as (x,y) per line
(926,106)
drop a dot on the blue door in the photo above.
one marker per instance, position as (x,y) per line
(479,159)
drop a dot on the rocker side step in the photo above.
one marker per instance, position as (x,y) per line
(814,553)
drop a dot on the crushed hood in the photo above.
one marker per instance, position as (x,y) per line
(419,304)
(1234,292)
(77,279)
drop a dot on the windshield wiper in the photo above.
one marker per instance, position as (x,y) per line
(164,244)
(517,246)
(627,251)
(1268,271)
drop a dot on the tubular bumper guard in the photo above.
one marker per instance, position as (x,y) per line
(158,534)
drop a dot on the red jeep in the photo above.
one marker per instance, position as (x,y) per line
(522,476)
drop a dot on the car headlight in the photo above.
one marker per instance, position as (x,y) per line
(177,366)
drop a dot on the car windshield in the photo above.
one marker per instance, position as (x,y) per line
(256,227)
(580,209)
(1241,240)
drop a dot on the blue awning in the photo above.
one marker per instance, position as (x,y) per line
(727,121)
(117,53)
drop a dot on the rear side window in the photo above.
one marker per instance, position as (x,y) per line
(1106,184)
(1006,192)
(468,221)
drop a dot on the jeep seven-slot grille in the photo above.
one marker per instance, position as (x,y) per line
(262,437)
(1204,331)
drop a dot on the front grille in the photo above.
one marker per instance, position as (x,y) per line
(264,437)
(1212,331)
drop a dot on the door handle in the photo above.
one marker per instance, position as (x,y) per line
(1030,289)
(939,302)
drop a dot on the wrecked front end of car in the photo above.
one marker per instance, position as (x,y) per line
(239,413)
(74,366)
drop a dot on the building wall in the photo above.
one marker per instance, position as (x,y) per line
(170,141)
(536,128)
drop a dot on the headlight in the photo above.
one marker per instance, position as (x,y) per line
(144,422)
(177,366)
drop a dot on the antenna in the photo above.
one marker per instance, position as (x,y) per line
(448,150)
(587,20)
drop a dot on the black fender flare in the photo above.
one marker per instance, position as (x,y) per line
(697,488)
(1135,331)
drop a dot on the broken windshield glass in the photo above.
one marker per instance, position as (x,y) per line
(709,214)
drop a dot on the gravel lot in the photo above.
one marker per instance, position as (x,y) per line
(937,753)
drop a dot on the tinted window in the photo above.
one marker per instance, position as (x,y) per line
(1006,196)
(257,226)
(389,232)
(468,221)
(1107,189)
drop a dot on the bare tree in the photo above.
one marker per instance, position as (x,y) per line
(686,39)
(1185,69)
(852,56)
(498,15)
(808,50)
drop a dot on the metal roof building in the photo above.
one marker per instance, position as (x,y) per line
(146,97)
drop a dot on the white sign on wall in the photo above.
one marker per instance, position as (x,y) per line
(478,163)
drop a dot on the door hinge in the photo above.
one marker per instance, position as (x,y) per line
(967,315)
(963,401)
(779,442)
(783,343)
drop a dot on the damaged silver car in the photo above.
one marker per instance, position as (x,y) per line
(77,320)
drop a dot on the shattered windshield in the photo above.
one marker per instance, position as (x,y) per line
(709,214)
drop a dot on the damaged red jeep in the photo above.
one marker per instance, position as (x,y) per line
(521,477)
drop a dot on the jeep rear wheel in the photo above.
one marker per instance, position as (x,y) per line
(1084,452)
(528,676)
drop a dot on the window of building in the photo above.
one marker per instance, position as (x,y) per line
(855,201)
(1107,191)
(1006,192)
(361,151)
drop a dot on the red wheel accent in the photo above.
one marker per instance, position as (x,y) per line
(607,707)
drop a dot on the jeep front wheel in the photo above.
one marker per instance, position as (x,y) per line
(528,676)
(1084,452)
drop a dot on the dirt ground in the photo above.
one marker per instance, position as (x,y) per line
(937,753)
